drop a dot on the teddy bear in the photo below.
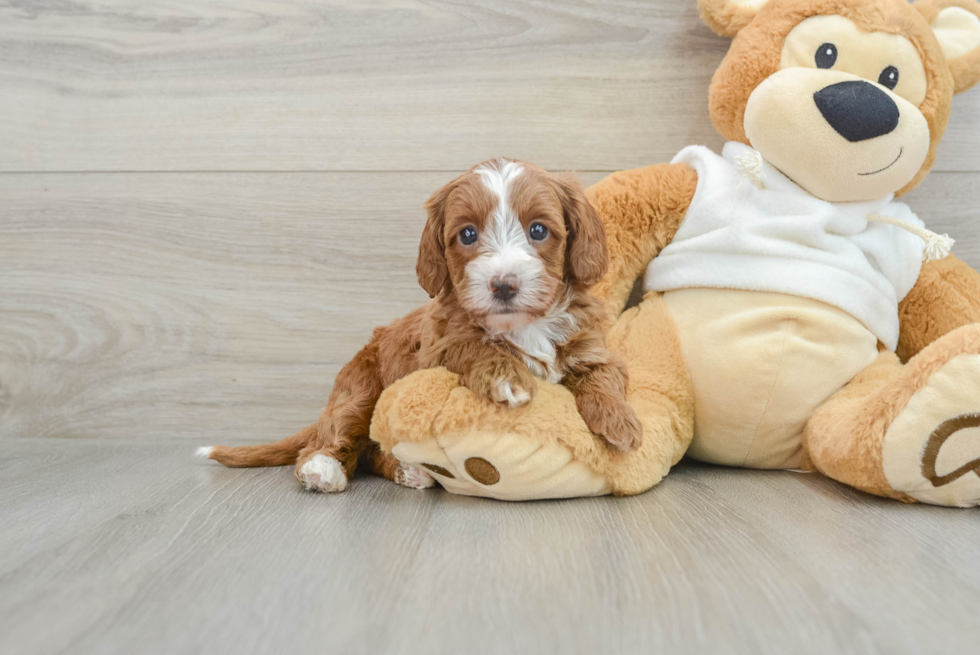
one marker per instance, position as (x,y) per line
(796,315)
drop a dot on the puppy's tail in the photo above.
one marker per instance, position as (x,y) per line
(279,453)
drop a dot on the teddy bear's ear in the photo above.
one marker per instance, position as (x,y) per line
(956,24)
(728,17)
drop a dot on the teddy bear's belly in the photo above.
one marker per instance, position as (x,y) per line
(761,363)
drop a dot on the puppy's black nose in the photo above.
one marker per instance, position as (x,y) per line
(857,110)
(505,287)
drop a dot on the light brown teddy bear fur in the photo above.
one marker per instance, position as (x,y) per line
(965,70)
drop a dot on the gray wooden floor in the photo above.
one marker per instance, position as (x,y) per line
(129,546)
(204,210)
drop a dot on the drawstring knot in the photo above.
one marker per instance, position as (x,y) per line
(937,245)
(749,165)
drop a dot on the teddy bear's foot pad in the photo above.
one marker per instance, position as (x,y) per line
(931,450)
(502,465)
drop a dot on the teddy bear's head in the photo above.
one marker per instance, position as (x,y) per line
(848,98)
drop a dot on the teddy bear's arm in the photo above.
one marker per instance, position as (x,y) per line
(641,210)
(945,297)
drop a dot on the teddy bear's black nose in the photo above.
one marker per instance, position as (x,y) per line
(857,110)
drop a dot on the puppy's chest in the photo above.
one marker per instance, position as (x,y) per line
(539,345)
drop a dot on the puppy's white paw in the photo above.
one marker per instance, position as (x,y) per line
(414,477)
(505,392)
(324,474)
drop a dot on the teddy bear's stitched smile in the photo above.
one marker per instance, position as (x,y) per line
(882,170)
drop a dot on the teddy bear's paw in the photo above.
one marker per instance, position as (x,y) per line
(413,477)
(322,473)
(954,446)
(931,451)
(503,465)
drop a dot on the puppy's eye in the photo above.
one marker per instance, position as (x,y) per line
(467,236)
(538,232)
(889,78)
(826,56)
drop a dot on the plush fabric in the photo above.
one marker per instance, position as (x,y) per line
(945,297)
(820,381)
(762,232)
(641,210)
(726,18)
(965,69)
(760,364)
(845,438)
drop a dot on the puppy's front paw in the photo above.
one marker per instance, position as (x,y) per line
(616,424)
(504,381)
(510,393)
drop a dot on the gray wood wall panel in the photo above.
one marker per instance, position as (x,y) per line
(368,85)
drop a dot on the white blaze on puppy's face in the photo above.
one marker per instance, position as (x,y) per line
(503,240)
(504,250)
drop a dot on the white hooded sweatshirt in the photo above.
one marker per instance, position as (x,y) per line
(781,239)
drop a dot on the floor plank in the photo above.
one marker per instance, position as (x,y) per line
(107,85)
(123,547)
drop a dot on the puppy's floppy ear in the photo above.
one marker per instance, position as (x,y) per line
(956,24)
(586,253)
(728,17)
(432,270)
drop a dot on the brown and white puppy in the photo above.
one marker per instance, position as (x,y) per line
(508,253)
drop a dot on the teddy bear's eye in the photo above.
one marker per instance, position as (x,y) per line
(826,56)
(889,78)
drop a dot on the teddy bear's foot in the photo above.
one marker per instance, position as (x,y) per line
(931,451)
(907,431)
(502,465)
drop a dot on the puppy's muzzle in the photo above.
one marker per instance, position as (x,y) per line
(505,287)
